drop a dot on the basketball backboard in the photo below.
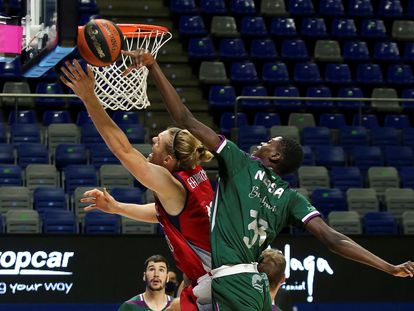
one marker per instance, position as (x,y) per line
(49,34)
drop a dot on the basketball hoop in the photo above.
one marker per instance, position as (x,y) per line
(127,92)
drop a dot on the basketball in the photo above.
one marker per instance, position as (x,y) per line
(100,42)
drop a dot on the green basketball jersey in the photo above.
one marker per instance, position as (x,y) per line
(251,206)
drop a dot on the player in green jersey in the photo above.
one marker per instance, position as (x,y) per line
(251,206)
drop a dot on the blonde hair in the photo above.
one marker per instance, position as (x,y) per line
(187,149)
(273,263)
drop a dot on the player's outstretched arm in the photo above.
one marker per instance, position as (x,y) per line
(103,201)
(178,111)
(346,247)
(152,176)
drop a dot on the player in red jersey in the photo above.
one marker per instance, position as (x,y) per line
(182,190)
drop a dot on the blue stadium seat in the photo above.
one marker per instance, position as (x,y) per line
(338,74)
(400,75)
(331,8)
(386,51)
(227,121)
(283,27)
(10,175)
(292,179)
(244,73)
(400,121)
(387,8)
(22,116)
(373,28)
(250,135)
(49,88)
(32,153)
(350,92)
(10,71)
(201,49)
(90,135)
(66,154)
(294,49)
(369,121)
(183,7)
(408,94)
(25,133)
(3,133)
(232,49)
(288,91)
(316,136)
(192,26)
(356,51)
(128,195)
(409,51)
(49,199)
(266,119)
(318,91)
(97,222)
(308,156)
(369,74)
(406,174)
(88,6)
(213,7)
(327,200)
(379,223)
(345,177)
(79,176)
(329,156)
(82,118)
(59,221)
(364,157)
(360,8)
(263,50)
(125,117)
(74,102)
(410,9)
(306,73)
(398,156)
(275,73)
(408,137)
(100,154)
(56,116)
(222,97)
(353,136)
(242,7)
(343,28)
(134,132)
(7,155)
(332,120)
(385,136)
(253,26)
(313,28)
(301,7)
(261,104)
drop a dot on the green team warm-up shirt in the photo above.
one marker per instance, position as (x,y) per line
(251,206)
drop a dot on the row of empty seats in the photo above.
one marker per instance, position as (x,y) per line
(326,8)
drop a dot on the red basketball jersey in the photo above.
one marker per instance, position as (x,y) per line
(188,234)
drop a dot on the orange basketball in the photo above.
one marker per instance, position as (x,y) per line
(100,42)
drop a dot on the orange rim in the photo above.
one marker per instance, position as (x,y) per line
(142,30)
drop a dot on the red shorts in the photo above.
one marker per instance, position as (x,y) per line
(188,300)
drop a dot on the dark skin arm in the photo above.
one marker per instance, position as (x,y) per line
(335,241)
(344,246)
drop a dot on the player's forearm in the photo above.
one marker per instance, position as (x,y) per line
(178,111)
(113,136)
(139,212)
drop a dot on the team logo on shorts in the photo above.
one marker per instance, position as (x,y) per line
(256,282)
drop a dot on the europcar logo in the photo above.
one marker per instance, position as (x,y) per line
(34,263)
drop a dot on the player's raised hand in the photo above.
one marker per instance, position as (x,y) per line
(140,57)
(82,83)
(405,269)
(100,200)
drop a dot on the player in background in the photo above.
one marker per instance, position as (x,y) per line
(154,298)
(273,263)
(182,190)
(252,205)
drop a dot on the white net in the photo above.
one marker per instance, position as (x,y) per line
(128,92)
